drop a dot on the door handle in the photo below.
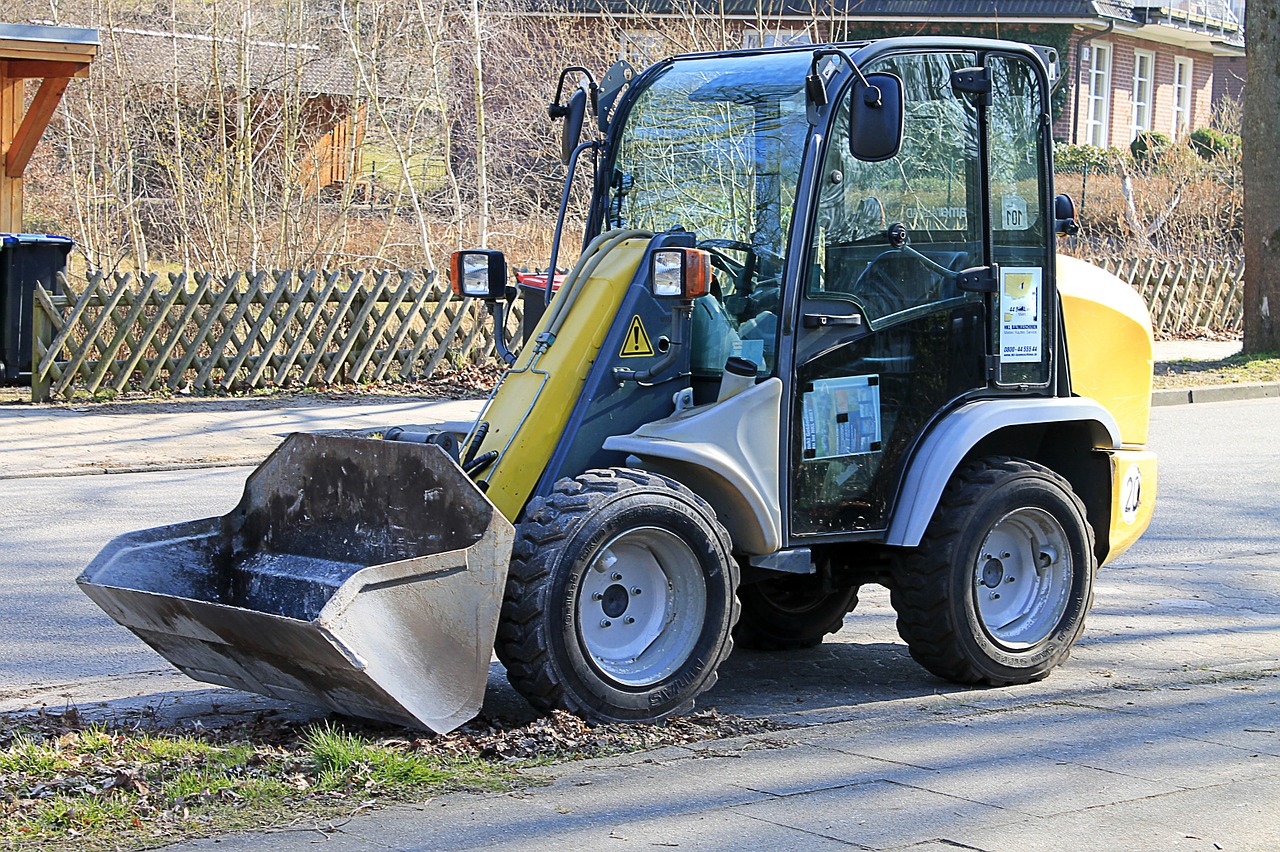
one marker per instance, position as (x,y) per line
(822,320)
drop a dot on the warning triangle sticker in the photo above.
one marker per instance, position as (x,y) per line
(636,344)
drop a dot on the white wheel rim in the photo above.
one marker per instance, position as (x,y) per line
(641,606)
(1022,578)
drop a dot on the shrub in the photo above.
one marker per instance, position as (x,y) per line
(1210,143)
(1147,147)
(1077,158)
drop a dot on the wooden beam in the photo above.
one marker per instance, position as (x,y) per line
(38,68)
(11,103)
(16,49)
(33,124)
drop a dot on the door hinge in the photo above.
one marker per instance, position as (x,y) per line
(979,279)
(973,81)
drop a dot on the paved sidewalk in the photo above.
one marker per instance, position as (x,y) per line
(1192,767)
(1196,350)
(47,440)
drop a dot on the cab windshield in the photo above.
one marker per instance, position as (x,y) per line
(715,146)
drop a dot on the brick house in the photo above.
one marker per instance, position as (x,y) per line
(1158,65)
(1130,65)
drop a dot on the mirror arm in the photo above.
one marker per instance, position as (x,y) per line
(558,110)
(816,87)
(564,205)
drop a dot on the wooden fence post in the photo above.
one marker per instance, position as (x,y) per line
(41,337)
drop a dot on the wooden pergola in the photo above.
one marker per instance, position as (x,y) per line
(52,55)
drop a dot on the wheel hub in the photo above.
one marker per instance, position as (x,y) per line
(992,573)
(641,605)
(614,601)
(1022,578)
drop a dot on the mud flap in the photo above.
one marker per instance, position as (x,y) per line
(362,575)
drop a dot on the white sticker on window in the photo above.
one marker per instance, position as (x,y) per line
(841,417)
(1015,213)
(1020,315)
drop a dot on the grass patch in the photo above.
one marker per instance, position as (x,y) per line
(1238,369)
(67,784)
(110,786)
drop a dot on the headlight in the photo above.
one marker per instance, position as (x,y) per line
(478,273)
(680,273)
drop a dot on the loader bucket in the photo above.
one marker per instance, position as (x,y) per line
(361,575)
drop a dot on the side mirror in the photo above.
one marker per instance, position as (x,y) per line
(479,273)
(1064,216)
(876,117)
(575,112)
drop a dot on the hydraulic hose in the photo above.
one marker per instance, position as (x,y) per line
(592,256)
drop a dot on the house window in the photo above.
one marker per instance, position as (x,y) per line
(1182,69)
(640,47)
(752,39)
(1144,63)
(1098,98)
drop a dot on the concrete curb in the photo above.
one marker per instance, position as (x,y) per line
(141,468)
(1215,393)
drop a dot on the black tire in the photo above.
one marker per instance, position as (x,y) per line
(788,613)
(564,635)
(997,531)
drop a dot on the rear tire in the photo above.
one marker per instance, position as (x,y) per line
(998,589)
(620,600)
(788,613)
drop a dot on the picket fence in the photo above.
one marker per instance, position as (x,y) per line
(1185,297)
(203,333)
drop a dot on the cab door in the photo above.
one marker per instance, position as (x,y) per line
(887,339)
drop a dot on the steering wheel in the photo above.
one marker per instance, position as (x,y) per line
(878,289)
(739,273)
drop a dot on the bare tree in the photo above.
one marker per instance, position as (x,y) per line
(1261,130)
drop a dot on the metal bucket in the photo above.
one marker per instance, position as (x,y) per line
(362,575)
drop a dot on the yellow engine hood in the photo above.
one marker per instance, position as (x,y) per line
(1109,344)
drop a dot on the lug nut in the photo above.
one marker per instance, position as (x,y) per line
(615,576)
(629,620)
(636,590)
(604,622)
(995,596)
(596,596)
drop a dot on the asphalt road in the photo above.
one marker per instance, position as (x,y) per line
(1199,590)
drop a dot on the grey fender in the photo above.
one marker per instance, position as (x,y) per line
(942,450)
(726,452)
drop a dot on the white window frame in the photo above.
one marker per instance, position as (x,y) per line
(1183,82)
(1142,118)
(752,38)
(640,47)
(1097,124)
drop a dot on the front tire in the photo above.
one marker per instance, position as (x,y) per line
(620,600)
(998,589)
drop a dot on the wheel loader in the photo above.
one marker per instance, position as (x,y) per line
(817,337)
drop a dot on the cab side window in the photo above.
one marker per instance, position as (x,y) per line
(929,189)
